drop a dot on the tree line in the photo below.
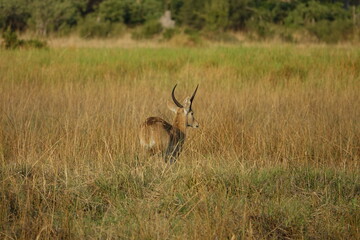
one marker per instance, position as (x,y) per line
(325,20)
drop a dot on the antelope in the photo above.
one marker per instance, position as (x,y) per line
(159,136)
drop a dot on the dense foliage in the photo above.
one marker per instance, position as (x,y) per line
(11,41)
(326,20)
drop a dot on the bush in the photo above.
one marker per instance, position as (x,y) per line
(112,10)
(93,28)
(331,31)
(169,33)
(117,30)
(63,30)
(194,35)
(262,30)
(34,43)
(327,22)
(149,30)
(11,41)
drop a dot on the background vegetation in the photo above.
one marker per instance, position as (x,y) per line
(276,155)
(292,20)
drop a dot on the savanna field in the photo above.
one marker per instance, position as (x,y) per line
(276,155)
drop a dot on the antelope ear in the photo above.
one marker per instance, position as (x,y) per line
(172,106)
(187,104)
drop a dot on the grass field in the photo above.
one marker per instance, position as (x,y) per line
(276,155)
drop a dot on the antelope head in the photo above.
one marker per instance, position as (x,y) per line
(184,114)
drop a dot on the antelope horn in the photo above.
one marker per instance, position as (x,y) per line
(174,99)
(192,97)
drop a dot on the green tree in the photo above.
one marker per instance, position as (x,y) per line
(130,12)
(328,22)
(152,9)
(239,13)
(14,14)
(112,10)
(216,15)
(192,13)
(49,15)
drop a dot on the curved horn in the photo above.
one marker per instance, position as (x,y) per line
(174,99)
(192,97)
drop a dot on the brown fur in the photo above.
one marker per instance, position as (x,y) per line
(157,130)
(159,136)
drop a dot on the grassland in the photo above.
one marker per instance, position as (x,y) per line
(276,156)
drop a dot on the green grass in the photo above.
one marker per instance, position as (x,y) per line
(196,201)
(276,155)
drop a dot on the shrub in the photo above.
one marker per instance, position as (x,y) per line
(331,31)
(63,30)
(327,22)
(11,41)
(194,35)
(117,30)
(92,28)
(34,43)
(152,28)
(169,33)
(112,10)
(149,30)
(262,30)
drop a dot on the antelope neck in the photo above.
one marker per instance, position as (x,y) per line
(180,123)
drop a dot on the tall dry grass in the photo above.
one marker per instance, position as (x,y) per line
(276,155)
